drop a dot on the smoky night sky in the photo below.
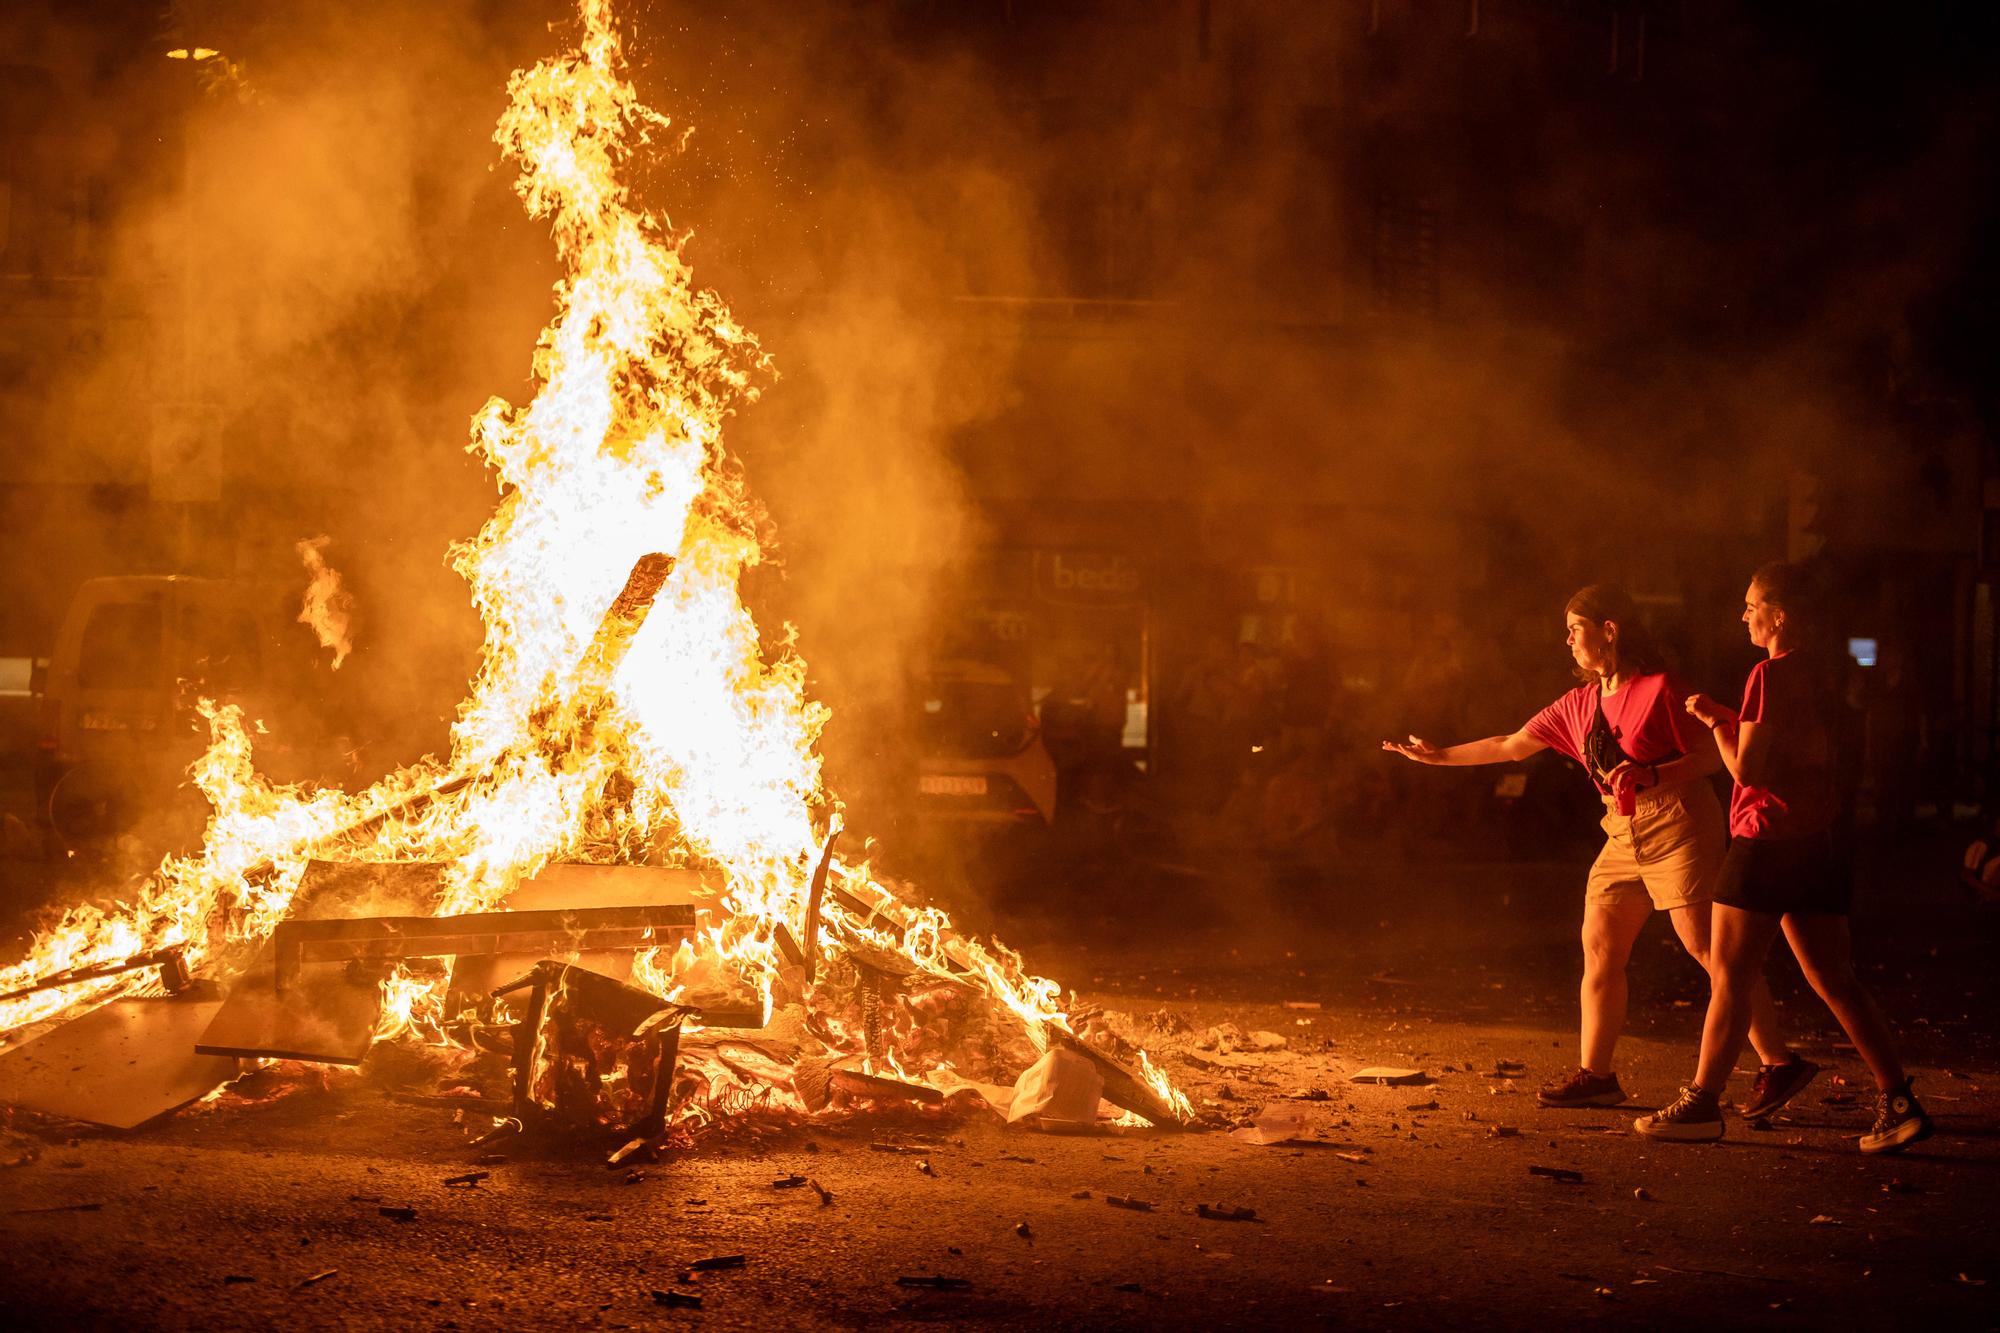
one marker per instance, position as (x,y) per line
(1453,318)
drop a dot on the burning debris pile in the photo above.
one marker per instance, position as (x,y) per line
(632,786)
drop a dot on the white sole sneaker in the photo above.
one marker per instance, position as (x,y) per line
(1913,1130)
(1679,1131)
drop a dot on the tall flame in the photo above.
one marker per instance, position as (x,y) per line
(696,742)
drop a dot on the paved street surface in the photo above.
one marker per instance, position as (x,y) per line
(1411,1207)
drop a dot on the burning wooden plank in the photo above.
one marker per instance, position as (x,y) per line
(394,939)
(172,962)
(616,629)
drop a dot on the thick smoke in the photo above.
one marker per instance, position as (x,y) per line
(1452,323)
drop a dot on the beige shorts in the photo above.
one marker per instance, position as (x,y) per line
(1667,851)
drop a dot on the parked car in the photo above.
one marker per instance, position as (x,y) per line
(131,656)
(982,758)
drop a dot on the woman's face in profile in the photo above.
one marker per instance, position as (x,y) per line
(1762,618)
(1589,643)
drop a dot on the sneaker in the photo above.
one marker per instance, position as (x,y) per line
(1694,1117)
(1899,1122)
(1776,1085)
(1580,1087)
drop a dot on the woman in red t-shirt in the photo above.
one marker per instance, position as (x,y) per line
(1783,870)
(1664,831)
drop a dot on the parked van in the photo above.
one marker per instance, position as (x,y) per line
(982,761)
(131,657)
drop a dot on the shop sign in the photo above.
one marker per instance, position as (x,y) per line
(1087,578)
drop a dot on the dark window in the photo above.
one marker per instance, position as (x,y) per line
(976,719)
(121,647)
(221,647)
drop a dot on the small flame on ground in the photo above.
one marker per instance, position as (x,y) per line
(1163,1088)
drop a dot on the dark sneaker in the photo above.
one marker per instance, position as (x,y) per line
(1899,1122)
(1776,1085)
(1580,1087)
(1694,1117)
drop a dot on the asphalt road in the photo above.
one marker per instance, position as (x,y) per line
(1412,1206)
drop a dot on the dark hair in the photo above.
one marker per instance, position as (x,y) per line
(1794,589)
(1638,651)
(1803,593)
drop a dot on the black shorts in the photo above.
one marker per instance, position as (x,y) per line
(1778,875)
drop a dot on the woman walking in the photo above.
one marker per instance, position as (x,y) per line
(1783,871)
(1664,832)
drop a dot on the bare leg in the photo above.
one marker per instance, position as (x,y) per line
(1825,952)
(1741,941)
(1693,924)
(1608,935)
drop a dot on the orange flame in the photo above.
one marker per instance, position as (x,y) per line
(327,605)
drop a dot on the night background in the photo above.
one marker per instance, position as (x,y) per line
(1186,395)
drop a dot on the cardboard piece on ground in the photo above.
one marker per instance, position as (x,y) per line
(120,1065)
(1388,1074)
(1274,1125)
(1061,1087)
(323,1018)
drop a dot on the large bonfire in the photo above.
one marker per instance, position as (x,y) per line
(693,745)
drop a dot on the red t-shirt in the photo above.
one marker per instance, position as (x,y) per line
(1646,717)
(1784,695)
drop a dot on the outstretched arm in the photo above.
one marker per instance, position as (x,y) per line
(1492,750)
